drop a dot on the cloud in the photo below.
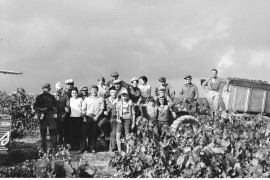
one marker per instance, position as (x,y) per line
(52,41)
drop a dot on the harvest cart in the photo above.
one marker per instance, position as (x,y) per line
(246,97)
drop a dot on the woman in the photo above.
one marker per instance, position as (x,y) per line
(102,88)
(145,93)
(125,117)
(75,119)
(145,89)
(163,112)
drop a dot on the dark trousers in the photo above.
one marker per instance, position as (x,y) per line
(160,125)
(66,129)
(60,131)
(90,130)
(113,145)
(53,138)
(52,123)
(75,131)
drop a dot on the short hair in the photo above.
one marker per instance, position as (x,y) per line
(101,79)
(162,79)
(74,89)
(165,102)
(94,87)
(151,98)
(112,88)
(144,78)
(215,70)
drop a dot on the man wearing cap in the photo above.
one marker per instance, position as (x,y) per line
(169,92)
(46,107)
(118,87)
(84,92)
(70,85)
(189,93)
(115,76)
(62,102)
(162,92)
(92,108)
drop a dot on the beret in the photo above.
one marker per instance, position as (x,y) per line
(69,81)
(46,85)
(162,79)
(134,79)
(188,76)
(84,88)
(161,88)
(116,81)
(114,74)
(124,91)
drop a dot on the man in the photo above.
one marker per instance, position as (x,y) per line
(84,92)
(118,87)
(62,102)
(189,93)
(161,91)
(115,76)
(70,85)
(92,108)
(46,107)
(67,91)
(169,92)
(214,86)
(110,113)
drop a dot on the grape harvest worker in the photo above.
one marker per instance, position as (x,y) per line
(169,92)
(62,101)
(213,87)
(46,107)
(84,92)
(92,108)
(189,93)
(115,76)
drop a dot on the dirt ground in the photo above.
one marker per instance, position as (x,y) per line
(27,148)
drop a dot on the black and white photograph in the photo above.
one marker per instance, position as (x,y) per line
(134,89)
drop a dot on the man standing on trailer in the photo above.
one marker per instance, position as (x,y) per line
(189,93)
(214,87)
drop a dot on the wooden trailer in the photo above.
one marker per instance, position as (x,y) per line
(248,98)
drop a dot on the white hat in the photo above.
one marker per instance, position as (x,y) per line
(69,81)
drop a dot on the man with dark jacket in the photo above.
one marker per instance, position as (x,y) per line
(46,106)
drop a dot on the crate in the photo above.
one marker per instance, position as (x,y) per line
(247,97)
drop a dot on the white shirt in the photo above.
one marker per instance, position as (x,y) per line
(75,106)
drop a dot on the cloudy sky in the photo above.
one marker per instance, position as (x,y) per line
(55,40)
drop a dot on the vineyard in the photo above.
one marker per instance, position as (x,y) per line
(200,147)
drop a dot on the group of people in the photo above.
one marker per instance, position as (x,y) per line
(78,117)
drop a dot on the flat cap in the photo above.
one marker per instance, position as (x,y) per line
(188,77)
(116,81)
(134,79)
(161,88)
(113,74)
(69,81)
(84,88)
(46,85)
